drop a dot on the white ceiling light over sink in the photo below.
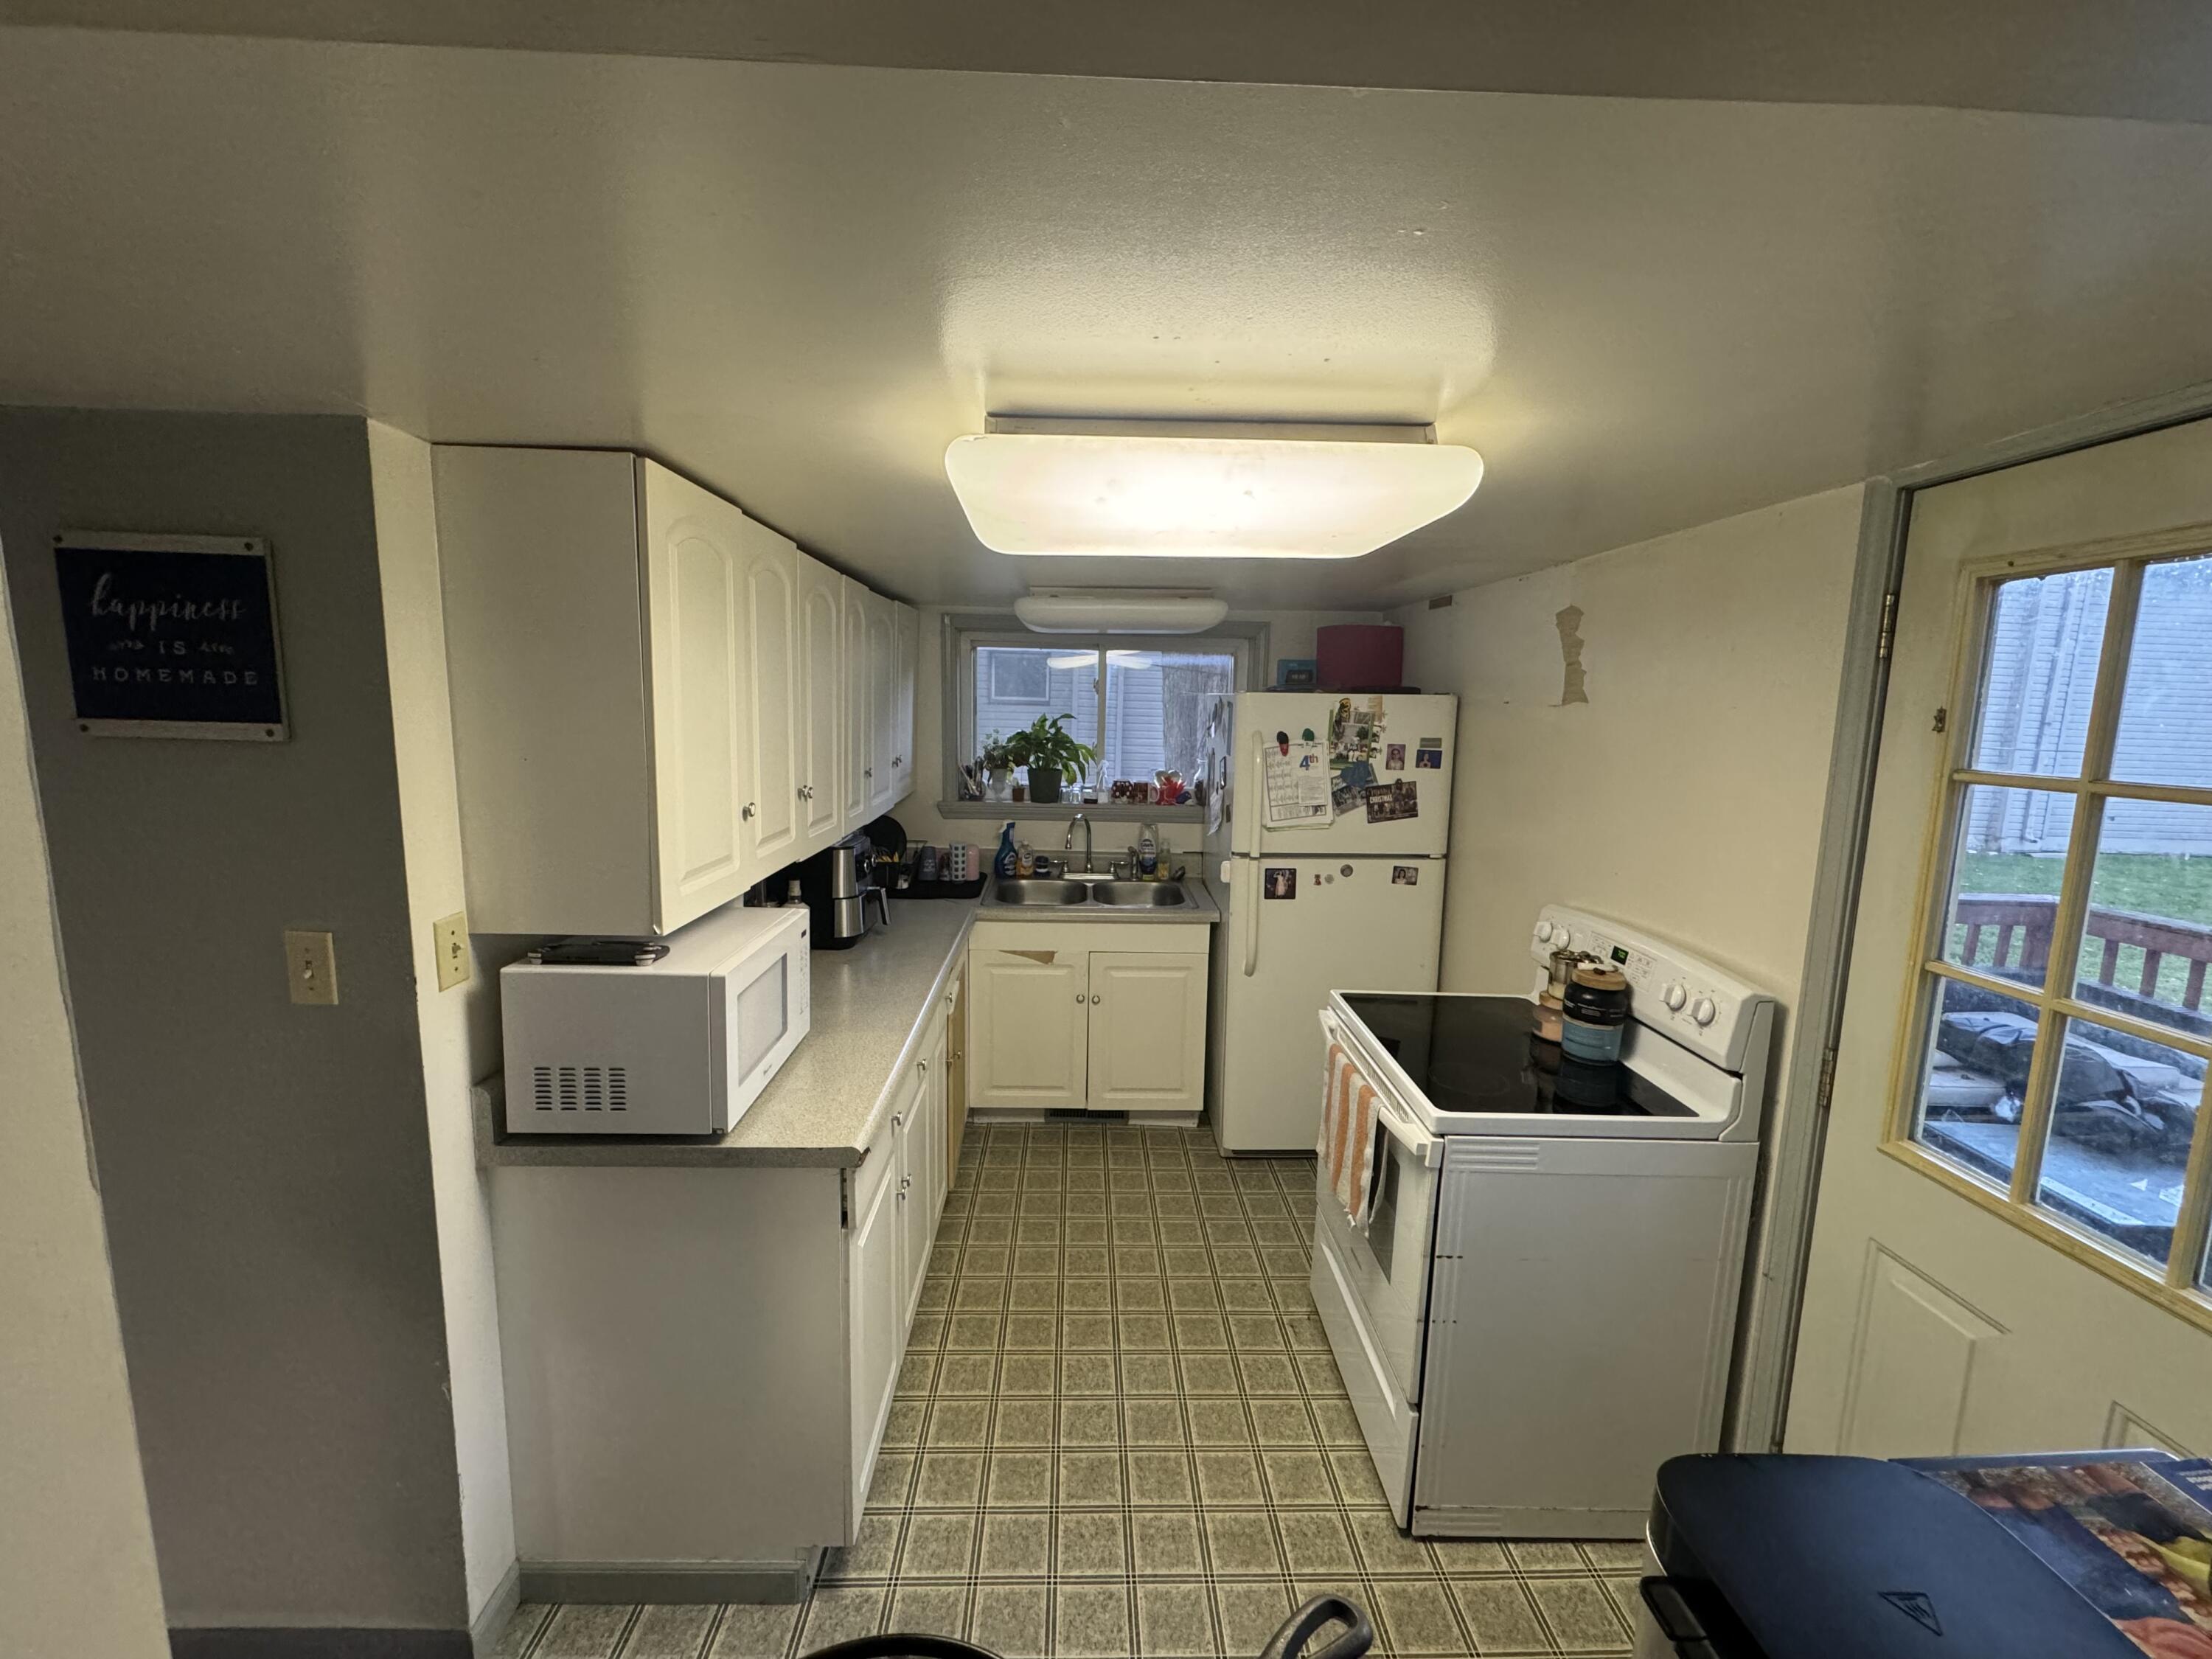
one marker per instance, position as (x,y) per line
(1203,490)
(1118,610)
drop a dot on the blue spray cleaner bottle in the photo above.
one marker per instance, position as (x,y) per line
(1002,864)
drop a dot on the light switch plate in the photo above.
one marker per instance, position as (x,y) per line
(311,964)
(449,940)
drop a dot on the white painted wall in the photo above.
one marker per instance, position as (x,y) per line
(76,1548)
(1686,796)
(422,740)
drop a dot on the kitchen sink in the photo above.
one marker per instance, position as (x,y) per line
(1139,895)
(1031,891)
(1092,889)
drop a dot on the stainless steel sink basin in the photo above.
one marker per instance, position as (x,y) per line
(1139,895)
(1030,890)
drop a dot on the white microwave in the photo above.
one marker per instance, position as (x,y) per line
(680,1046)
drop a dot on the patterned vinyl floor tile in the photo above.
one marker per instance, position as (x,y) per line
(1119,1431)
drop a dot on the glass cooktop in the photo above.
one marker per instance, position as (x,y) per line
(1477,1053)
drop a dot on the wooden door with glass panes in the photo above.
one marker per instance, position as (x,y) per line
(2010,1249)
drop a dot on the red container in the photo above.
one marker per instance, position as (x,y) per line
(1360,656)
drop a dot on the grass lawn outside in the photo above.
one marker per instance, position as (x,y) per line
(2150,883)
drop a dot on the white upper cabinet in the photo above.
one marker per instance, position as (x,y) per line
(883,683)
(819,719)
(769,816)
(906,623)
(859,709)
(658,702)
(697,691)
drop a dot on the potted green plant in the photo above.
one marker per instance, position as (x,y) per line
(998,763)
(1052,754)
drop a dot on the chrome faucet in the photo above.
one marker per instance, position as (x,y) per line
(1068,845)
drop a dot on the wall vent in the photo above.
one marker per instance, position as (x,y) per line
(579,1088)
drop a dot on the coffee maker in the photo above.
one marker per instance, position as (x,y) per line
(839,884)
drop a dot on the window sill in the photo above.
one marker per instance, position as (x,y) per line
(1102,811)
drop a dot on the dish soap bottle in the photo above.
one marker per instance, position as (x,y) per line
(1148,853)
(1003,865)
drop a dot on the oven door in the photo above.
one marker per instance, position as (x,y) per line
(766,1012)
(1385,1265)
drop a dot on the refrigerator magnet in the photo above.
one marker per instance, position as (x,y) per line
(1428,760)
(1392,803)
(1405,875)
(1279,882)
(1394,758)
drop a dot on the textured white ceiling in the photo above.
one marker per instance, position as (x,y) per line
(798,284)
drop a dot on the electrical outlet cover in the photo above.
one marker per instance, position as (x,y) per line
(449,941)
(311,965)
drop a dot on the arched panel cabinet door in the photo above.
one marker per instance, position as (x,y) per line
(769,816)
(820,716)
(859,730)
(699,691)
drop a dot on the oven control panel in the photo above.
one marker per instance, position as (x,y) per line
(1695,1002)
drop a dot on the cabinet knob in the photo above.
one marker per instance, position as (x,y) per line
(905,1181)
(1094,998)
(898,1120)
(746,811)
(925,1066)
(1079,996)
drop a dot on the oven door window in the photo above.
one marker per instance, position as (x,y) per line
(761,1014)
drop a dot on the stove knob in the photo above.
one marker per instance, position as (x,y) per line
(1675,996)
(1562,938)
(1544,933)
(1703,1011)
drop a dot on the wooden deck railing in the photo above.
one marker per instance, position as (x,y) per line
(2023,925)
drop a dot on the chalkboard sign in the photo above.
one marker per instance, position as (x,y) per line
(171,636)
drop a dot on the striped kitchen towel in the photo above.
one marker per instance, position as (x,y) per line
(1347,1135)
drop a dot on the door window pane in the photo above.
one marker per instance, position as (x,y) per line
(1976,1078)
(2165,711)
(2005,881)
(2120,1124)
(1014,684)
(2146,947)
(1157,706)
(2039,673)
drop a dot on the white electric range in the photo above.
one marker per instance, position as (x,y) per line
(1541,1308)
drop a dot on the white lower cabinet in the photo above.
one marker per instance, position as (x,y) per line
(876,1300)
(1147,1032)
(1067,1017)
(700,1362)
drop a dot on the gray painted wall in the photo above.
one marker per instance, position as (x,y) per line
(266,1169)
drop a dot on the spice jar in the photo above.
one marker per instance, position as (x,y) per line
(1593,1012)
(1554,995)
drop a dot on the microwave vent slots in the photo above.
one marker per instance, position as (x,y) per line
(579,1088)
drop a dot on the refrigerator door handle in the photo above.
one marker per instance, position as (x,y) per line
(1257,803)
(1252,922)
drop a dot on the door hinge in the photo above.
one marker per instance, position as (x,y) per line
(1826,1093)
(1888,625)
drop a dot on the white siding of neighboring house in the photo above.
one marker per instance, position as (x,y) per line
(2041,678)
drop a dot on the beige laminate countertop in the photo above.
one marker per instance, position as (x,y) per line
(870,1007)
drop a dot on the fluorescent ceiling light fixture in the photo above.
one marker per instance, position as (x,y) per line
(1118,610)
(1203,490)
(1090,659)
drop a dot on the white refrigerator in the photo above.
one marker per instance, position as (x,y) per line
(1348,896)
